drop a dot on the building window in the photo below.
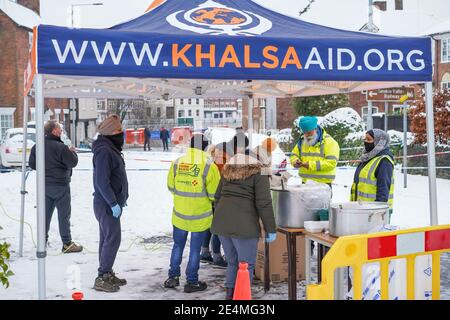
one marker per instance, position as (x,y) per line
(101,105)
(398,4)
(158,112)
(380,5)
(197,101)
(169,112)
(445,50)
(445,86)
(181,101)
(6,122)
(197,113)
(365,111)
(180,113)
(189,113)
(189,101)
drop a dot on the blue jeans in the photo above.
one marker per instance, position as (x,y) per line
(179,242)
(215,242)
(238,250)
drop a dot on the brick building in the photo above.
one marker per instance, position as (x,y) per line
(15,43)
(284,110)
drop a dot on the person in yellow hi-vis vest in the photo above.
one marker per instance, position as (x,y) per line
(374,176)
(193,180)
(317,154)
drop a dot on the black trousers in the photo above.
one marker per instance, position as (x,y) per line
(147,143)
(58,196)
(165,144)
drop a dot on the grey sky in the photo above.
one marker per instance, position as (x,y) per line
(57,12)
(418,15)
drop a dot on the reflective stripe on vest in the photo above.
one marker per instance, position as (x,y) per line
(196,217)
(315,154)
(371,196)
(367,182)
(316,176)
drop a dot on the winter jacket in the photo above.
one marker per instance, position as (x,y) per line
(110,177)
(322,158)
(59,161)
(193,179)
(242,199)
(383,173)
(164,134)
(147,133)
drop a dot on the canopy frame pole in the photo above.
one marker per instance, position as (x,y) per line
(250,113)
(431,153)
(23,190)
(41,252)
(405,145)
(369,115)
(386,111)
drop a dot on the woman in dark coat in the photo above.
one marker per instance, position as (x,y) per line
(242,199)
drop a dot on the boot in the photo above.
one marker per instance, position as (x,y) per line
(194,287)
(117,281)
(219,262)
(104,283)
(230,293)
(71,247)
(172,282)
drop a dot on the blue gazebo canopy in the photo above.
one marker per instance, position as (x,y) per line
(230,39)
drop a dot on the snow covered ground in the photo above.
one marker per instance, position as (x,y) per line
(146,237)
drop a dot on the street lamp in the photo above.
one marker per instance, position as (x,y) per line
(81,5)
(73,103)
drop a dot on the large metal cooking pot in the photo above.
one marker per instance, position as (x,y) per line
(357,217)
(292,206)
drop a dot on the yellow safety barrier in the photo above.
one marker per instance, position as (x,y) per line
(357,250)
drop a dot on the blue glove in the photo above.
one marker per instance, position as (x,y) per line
(270,237)
(117,211)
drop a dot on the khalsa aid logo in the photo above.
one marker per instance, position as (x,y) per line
(189,170)
(215,19)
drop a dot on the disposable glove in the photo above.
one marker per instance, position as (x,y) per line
(270,237)
(117,211)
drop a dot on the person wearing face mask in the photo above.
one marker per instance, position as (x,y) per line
(317,154)
(374,176)
(110,197)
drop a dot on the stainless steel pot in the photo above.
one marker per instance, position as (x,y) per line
(357,217)
(290,208)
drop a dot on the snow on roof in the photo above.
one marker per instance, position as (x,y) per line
(439,28)
(19,14)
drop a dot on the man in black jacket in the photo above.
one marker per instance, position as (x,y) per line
(164,135)
(59,161)
(110,197)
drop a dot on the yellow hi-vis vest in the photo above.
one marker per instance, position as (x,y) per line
(193,180)
(322,159)
(367,186)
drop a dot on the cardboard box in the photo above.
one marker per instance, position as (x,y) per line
(278,259)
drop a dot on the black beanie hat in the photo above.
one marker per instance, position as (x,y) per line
(370,132)
(199,141)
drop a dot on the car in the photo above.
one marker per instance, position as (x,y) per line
(11,146)
(64,138)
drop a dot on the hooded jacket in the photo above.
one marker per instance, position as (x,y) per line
(242,199)
(110,177)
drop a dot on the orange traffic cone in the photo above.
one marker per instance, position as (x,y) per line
(242,290)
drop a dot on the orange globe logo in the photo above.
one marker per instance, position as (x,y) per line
(218,16)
